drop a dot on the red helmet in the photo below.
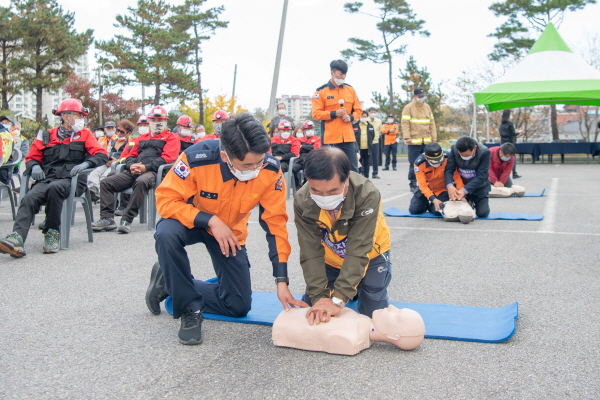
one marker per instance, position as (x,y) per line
(184,120)
(158,112)
(143,120)
(220,115)
(70,105)
(284,125)
(307,125)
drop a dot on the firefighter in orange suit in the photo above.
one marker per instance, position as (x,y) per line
(429,171)
(418,129)
(207,197)
(336,105)
(389,130)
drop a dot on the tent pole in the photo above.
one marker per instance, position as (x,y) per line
(487,124)
(474,125)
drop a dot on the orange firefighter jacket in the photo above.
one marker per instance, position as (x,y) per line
(325,102)
(431,180)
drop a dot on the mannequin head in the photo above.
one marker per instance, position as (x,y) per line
(402,327)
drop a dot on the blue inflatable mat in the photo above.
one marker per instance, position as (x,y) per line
(396,212)
(442,321)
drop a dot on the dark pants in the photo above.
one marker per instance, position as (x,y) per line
(6,175)
(515,166)
(140,184)
(375,158)
(508,183)
(298,166)
(390,151)
(364,160)
(414,151)
(51,192)
(285,165)
(372,290)
(480,200)
(231,296)
(419,203)
(350,149)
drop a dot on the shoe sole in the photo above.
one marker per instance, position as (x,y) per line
(120,230)
(191,342)
(50,251)
(104,228)
(13,251)
(152,285)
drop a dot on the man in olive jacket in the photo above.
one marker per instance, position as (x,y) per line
(344,239)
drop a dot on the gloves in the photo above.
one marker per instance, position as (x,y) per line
(37,174)
(78,168)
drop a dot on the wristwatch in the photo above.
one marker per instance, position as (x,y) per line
(286,280)
(337,301)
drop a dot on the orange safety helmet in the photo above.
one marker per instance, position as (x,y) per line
(158,112)
(220,115)
(70,105)
(184,120)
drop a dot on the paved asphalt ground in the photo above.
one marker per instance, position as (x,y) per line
(74,325)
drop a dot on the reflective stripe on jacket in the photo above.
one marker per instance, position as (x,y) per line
(418,123)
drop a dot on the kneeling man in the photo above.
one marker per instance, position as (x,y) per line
(344,239)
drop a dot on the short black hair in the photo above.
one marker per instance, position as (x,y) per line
(465,143)
(364,112)
(324,163)
(372,109)
(339,65)
(242,134)
(508,149)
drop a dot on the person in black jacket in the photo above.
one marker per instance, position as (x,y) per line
(364,133)
(508,135)
(472,161)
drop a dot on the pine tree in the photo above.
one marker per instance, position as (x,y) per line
(153,52)
(9,45)
(50,46)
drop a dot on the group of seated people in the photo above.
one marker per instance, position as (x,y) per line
(465,174)
(58,154)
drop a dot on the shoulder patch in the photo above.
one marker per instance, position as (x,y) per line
(367,212)
(202,153)
(181,169)
(420,160)
(279,183)
(272,163)
(316,95)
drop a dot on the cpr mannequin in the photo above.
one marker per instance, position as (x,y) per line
(455,211)
(517,190)
(349,332)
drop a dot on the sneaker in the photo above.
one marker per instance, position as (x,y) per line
(120,211)
(51,241)
(516,176)
(386,169)
(413,187)
(394,168)
(124,226)
(42,225)
(375,177)
(191,327)
(155,293)
(95,198)
(104,224)
(13,245)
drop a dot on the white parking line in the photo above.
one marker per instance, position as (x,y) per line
(479,231)
(547,224)
(395,197)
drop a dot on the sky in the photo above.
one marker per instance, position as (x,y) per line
(316,32)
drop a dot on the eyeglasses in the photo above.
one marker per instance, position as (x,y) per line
(121,131)
(261,165)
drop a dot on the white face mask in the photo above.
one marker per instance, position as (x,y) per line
(99,134)
(299,135)
(372,116)
(110,132)
(16,132)
(185,132)
(310,133)
(157,127)
(79,124)
(467,158)
(390,121)
(363,120)
(200,135)
(242,175)
(329,203)
(218,129)
(7,126)
(338,82)
(143,130)
(281,112)
(285,134)
(421,99)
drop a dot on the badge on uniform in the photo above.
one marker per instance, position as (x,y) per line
(316,95)
(279,184)
(416,169)
(181,169)
(209,195)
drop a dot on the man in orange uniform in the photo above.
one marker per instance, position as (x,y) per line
(390,145)
(429,171)
(207,197)
(336,105)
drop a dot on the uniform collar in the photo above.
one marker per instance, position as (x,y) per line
(331,86)
(226,172)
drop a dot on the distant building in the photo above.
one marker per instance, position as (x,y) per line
(298,107)
(24,104)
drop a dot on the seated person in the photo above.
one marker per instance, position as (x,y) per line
(455,211)
(308,142)
(55,156)
(20,141)
(218,118)
(284,146)
(200,133)
(149,152)
(7,150)
(349,332)
(502,161)
(184,127)
(472,161)
(429,171)
(143,125)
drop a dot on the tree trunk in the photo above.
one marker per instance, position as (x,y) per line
(4,77)
(553,123)
(157,94)
(200,100)
(38,108)
(392,110)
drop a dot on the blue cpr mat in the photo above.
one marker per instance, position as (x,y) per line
(540,194)
(396,212)
(442,321)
